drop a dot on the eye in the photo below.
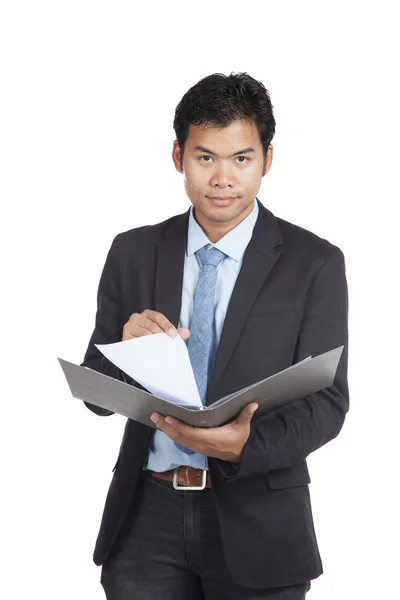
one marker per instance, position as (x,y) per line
(207,156)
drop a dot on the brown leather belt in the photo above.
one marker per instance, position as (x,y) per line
(185,478)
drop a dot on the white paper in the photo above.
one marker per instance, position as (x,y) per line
(159,363)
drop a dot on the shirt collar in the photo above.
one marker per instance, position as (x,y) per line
(233,244)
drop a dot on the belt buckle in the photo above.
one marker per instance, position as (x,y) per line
(189,487)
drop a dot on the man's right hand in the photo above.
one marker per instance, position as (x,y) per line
(148,322)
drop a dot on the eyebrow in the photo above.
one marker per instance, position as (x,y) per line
(203,149)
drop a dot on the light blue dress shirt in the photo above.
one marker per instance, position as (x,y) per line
(163,454)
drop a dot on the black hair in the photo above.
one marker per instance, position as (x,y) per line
(218,100)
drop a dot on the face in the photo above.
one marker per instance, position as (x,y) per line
(225,163)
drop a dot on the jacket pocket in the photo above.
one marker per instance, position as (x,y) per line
(278,306)
(295,476)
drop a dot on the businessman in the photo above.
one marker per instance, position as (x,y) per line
(221,513)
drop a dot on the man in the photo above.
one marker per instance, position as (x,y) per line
(251,294)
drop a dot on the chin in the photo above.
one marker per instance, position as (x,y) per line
(222,215)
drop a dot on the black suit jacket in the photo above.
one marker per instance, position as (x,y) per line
(289,302)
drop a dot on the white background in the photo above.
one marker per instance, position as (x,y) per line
(88,96)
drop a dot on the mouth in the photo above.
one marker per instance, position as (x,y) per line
(221,200)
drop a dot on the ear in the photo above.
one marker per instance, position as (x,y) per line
(176,156)
(268,159)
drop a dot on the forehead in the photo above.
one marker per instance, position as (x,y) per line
(240,133)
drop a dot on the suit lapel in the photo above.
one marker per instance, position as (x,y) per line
(170,264)
(259,259)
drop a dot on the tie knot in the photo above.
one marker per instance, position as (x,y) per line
(210,256)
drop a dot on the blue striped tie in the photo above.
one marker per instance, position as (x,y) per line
(201,343)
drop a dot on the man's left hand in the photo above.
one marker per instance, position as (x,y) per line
(226,442)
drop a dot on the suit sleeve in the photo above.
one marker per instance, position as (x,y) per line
(108,325)
(288,435)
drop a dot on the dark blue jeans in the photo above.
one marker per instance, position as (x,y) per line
(169,548)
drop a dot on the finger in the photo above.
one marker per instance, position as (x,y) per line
(163,426)
(171,422)
(246,414)
(150,325)
(175,429)
(138,332)
(136,327)
(140,324)
(161,321)
(184,333)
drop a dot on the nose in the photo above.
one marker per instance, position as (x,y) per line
(222,177)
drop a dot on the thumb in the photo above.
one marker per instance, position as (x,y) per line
(246,414)
(184,333)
